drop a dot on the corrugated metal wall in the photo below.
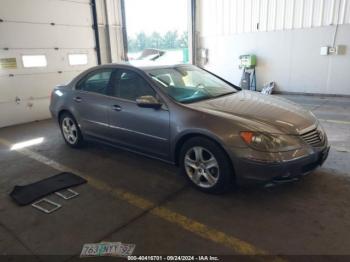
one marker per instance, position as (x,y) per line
(227,17)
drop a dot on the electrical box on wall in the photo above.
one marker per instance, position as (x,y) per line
(324,50)
(338,50)
(341,49)
(333,50)
(247,61)
(248,64)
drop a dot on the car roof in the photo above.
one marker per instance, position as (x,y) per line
(142,65)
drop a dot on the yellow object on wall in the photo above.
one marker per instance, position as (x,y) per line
(8,63)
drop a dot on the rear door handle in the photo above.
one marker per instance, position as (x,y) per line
(117,108)
(77,99)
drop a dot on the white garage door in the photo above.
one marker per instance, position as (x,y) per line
(43,43)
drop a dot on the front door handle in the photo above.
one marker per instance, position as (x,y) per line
(77,99)
(117,108)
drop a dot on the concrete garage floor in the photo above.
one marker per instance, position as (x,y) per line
(138,200)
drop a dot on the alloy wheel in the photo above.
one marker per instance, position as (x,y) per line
(201,167)
(70,130)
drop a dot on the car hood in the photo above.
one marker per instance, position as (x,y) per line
(278,113)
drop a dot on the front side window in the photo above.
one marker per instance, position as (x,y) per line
(130,85)
(96,82)
(188,84)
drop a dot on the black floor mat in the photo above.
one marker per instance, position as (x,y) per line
(25,195)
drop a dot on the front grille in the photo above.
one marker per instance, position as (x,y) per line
(314,138)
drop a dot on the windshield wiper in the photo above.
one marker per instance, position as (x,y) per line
(159,80)
(225,94)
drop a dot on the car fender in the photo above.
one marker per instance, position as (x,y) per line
(175,147)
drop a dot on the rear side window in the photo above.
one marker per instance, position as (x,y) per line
(96,82)
(130,86)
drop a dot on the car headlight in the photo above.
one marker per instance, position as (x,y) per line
(270,142)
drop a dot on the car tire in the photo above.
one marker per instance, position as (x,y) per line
(206,165)
(70,131)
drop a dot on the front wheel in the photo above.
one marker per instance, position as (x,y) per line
(70,131)
(206,165)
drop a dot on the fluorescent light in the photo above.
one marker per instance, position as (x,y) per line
(28,143)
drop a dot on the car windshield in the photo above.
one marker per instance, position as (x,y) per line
(188,84)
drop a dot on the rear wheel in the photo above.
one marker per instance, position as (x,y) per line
(206,165)
(70,131)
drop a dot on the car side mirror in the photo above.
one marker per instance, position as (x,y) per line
(148,102)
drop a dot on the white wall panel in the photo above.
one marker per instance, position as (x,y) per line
(39,36)
(26,30)
(32,106)
(75,14)
(57,60)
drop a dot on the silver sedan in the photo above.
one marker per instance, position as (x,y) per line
(218,134)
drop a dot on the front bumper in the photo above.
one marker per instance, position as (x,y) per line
(285,166)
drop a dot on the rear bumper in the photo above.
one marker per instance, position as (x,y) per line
(250,171)
(52,111)
(53,115)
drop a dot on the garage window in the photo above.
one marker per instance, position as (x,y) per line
(77,59)
(34,61)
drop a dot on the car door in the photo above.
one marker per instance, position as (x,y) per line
(91,103)
(141,129)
